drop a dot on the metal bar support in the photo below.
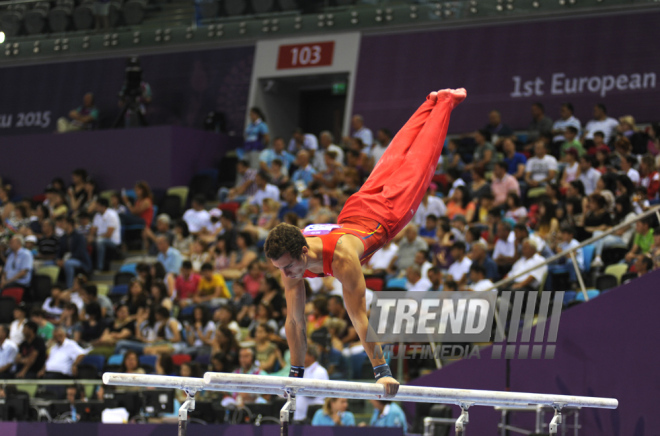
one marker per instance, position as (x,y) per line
(286,414)
(463,420)
(556,420)
(187,406)
(579,276)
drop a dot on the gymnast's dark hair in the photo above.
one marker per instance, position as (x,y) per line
(284,238)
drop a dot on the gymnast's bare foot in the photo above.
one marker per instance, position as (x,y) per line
(458,95)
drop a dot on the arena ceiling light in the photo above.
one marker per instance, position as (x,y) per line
(2,37)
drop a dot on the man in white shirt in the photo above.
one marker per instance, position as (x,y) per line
(383,138)
(314,371)
(601,123)
(530,258)
(478,280)
(106,228)
(430,205)
(421,261)
(362,132)
(264,189)
(542,168)
(566,119)
(197,217)
(65,355)
(414,280)
(8,351)
(460,268)
(627,168)
(588,175)
(380,261)
(504,253)
(302,141)
(326,140)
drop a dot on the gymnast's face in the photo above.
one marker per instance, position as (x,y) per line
(291,267)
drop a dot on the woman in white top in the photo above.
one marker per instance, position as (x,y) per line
(572,169)
(16,327)
(169,334)
(515,210)
(200,332)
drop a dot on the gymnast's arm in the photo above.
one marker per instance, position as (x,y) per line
(295,326)
(346,268)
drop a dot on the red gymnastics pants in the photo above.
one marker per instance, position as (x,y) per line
(394,190)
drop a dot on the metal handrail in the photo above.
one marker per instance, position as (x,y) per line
(571,252)
(49,382)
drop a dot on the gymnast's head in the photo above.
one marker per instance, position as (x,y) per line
(287,248)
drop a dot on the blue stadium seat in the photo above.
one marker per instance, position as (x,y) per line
(129,267)
(118,290)
(116,360)
(148,360)
(569,297)
(591,293)
(588,253)
(397,283)
(94,360)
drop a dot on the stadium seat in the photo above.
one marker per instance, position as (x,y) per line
(617,270)
(117,292)
(235,7)
(179,359)
(628,276)
(59,18)
(11,20)
(123,278)
(87,372)
(107,194)
(591,293)
(134,12)
(7,306)
(171,205)
(129,268)
(203,184)
(203,359)
(612,255)
(375,283)
(35,18)
(116,360)
(15,293)
(569,297)
(102,289)
(94,360)
(83,18)
(588,252)
(53,271)
(41,285)
(148,362)
(397,283)
(181,192)
(606,281)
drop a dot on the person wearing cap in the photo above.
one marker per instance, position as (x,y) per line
(529,258)
(209,234)
(18,266)
(31,245)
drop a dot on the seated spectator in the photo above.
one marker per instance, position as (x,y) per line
(409,245)
(650,177)
(642,240)
(547,225)
(541,124)
(566,118)
(304,175)
(318,213)
(588,175)
(540,169)
(8,353)
(277,152)
(224,316)
(169,337)
(117,205)
(163,222)
(47,245)
(70,322)
(17,271)
(105,233)
(269,356)
(90,294)
(459,270)
(460,203)
(256,136)
(314,371)
(142,211)
(186,284)
(31,353)
(302,141)
(54,305)
(94,326)
(567,241)
(429,231)
(241,258)
(131,364)
(225,345)
(210,233)
(278,174)
(421,261)
(478,281)
(136,298)
(515,211)
(145,332)
(16,326)
(451,157)
(415,281)
(197,217)
(643,264)
(264,189)
(600,123)
(571,168)
(122,327)
(253,279)
(628,168)
(515,162)
(57,203)
(212,289)
(479,186)
(182,240)
(484,155)
(44,327)
(502,184)
(388,414)
(571,141)
(81,118)
(479,256)
(64,356)
(454,180)
(602,159)
(159,295)
(200,331)
(198,254)
(221,255)
(430,205)
(597,217)
(290,197)
(529,258)
(168,256)
(496,127)
(334,413)
(247,362)
(435,277)
(244,186)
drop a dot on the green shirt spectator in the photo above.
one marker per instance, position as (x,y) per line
(644,241)
(576,144)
